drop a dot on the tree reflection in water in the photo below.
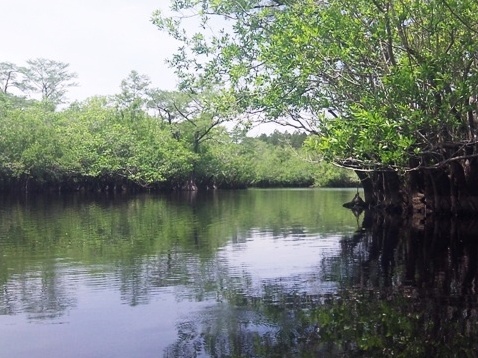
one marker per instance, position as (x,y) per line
(236,274)
(406,289)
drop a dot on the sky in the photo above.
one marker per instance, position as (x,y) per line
(102,40)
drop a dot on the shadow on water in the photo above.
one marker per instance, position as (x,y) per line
(237,274)
(411,292)
(406,289)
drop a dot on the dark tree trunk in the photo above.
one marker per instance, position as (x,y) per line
(367,188)
(449,190)
(382,190)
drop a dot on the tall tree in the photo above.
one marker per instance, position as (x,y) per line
(12,86)
(389,86)
(134,91)
(10,77)
(168,105)
(51,79)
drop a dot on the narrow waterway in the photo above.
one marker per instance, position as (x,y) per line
(256,273)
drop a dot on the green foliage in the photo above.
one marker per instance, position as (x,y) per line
(329,175)
(10,77)
(134,90)
(281,166)
(113,145)
(49,78)
(29,145)
(295,139)
(90,141)
(280,160)
(384,84)
(365,324)
(141,138)
(226,164)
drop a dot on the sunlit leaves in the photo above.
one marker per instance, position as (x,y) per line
(139,150)
(387,71)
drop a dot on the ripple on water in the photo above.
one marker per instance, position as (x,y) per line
(280,264)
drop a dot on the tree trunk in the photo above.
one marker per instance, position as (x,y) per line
(449,190)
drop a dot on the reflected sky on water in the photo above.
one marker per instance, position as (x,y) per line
(133,275)
(255,273)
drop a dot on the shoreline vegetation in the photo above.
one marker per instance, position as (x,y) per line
(388,88)
(99,146)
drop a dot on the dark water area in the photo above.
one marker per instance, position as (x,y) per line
(256,273)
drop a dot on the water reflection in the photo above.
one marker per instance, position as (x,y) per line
(398,289)
(265,273)
(411,290)
(40,294)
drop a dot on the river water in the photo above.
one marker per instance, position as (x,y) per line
(253,273)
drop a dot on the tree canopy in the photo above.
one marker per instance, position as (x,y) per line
(142,137)
(387,85)
(49,80)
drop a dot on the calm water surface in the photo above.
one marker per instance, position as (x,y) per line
(257,273)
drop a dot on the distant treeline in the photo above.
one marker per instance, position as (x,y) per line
(143,138)
(91,146)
